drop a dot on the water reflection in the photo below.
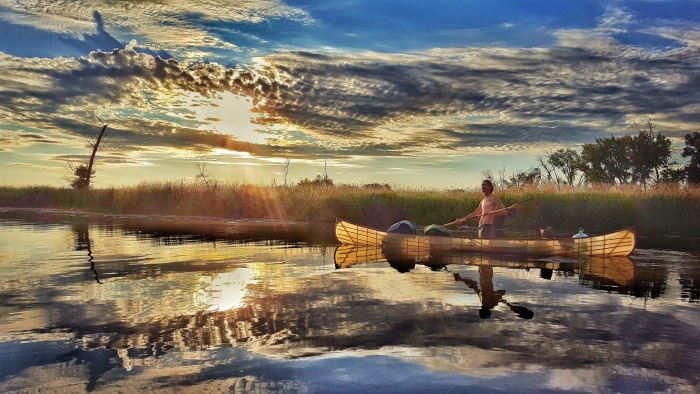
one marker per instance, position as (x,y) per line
(170,310)
(609,274)
(81,229)
(489,297)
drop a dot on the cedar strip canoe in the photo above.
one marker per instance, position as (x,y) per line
(616,244)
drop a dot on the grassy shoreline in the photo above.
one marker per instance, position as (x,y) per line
(659,210)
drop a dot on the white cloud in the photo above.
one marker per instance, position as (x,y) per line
(688,35)
(615,17)
(163,25)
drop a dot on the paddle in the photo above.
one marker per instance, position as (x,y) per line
(517,205)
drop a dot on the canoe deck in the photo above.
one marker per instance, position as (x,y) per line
(616,244)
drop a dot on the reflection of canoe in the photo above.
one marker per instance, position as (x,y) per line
(617,270)
(615,244)
(348,255)
(611,270)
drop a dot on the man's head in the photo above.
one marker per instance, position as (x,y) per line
(484,313)
(487,187)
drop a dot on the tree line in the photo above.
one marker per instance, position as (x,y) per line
(642,159)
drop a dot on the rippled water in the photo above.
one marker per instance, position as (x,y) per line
(95,304)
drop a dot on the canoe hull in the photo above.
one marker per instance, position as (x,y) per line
(616,244)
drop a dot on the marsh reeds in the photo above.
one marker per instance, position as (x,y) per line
(661,209)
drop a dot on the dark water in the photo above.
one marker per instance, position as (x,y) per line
(120,304)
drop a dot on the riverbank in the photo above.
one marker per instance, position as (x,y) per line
(668,210)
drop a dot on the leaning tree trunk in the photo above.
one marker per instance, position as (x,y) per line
(92,158)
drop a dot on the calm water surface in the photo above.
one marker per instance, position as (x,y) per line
(106,305)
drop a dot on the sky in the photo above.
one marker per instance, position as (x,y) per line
(409,93)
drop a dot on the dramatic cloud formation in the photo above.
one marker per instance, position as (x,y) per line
(589,78)
(179,24)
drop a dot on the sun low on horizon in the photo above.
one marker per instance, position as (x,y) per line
(406,93)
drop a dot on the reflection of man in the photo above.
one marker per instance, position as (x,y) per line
(490,298)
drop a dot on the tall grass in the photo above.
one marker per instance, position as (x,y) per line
(663,209)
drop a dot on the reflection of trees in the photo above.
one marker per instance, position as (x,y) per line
(648,283)
(642,282)
(690,285)
(178,232)
(81,232)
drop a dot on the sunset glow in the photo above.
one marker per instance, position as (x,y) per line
(443,90)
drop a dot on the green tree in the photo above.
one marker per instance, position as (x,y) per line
(606,161)
(649,154)
(82,176)
(320,180)
(643,158)
(673,175)
(692,151)
(523,178)
(568,161)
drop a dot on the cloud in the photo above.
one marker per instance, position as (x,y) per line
(684,33)
(615,17)
(104,158)
(591,82)
(19,139)
(177,24)
(438,101)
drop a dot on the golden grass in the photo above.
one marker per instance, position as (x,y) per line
(666,209)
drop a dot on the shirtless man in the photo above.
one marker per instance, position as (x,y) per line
(487,205)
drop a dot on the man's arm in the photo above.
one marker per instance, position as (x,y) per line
(499,205)
(476,212)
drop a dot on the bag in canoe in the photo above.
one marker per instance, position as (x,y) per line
(402,227)
(436,230)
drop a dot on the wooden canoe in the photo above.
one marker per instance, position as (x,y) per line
(616,244)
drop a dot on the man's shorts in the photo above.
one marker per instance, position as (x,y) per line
(486,231)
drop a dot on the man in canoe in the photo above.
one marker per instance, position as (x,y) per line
(487,205)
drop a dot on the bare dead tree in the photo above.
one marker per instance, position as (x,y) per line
(285,168)
(83,174)
(94,149)
(203,175)
(502,179)
(552,176)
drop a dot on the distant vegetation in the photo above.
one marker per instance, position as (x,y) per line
(642,159)
(611,184)
(658,209)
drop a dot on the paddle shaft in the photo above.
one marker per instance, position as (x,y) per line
(476,216)
(484,214)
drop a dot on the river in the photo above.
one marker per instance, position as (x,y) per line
(110,304)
